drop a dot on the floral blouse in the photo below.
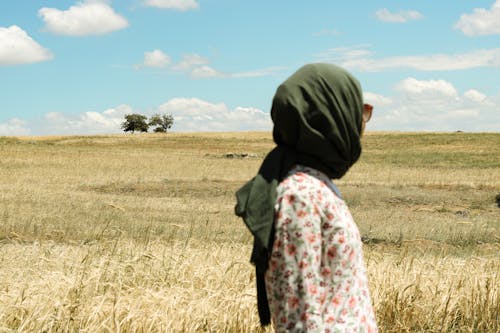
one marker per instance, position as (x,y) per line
(316,281)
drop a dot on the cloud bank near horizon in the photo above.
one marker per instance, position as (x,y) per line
(190,115)
(414,105)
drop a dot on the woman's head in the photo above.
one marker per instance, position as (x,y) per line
(318,112)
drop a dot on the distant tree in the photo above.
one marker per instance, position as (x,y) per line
(162,122)
(135,122)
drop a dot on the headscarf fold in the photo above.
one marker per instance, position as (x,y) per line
(317,116)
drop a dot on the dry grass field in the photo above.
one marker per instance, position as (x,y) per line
(136,233)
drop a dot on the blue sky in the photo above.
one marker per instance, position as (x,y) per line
(77,67)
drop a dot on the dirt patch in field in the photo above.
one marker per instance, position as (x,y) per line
(169,188)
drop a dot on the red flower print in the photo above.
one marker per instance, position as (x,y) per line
(341,239)
(351,256)
(326,271)
(293,302)
(322,298)
(301,213)
(312,289)
(278,243)
(352,302)
(337,300)
(311,238)
(316,278)
(291,249)
(331,252)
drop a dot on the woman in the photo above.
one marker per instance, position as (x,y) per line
(311,275)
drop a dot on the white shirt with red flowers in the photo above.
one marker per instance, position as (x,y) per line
(317,280)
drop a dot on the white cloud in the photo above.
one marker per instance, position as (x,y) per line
(155,59)
(400,17)
(193,114)
(475,96)
(190,115)
(17,47)
(343,53)
(481,21)
(90,17)
(205,72)
(90,122)
(360,58)
(182,5)
(190,61)
(376,99)
(431,88)
(258,72)
(415,105)
(198,67)
(434,105)
(13,127)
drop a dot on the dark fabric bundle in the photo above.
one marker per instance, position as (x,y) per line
(317,116)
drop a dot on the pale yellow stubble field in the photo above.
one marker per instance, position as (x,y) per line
(136,233)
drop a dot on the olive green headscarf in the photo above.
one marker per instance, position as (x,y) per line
(317,116)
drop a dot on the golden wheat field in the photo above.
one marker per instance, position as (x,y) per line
(136,233)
